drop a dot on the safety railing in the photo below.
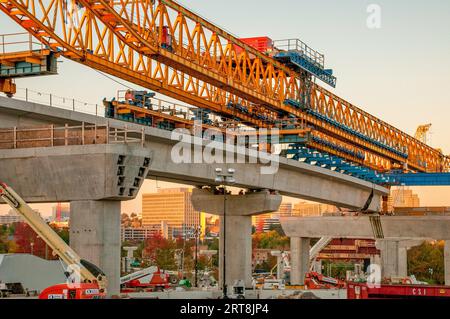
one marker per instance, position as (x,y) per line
(17,42)
(84,134)
(302,48)
(54,100)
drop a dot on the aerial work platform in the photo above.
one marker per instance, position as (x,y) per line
(20,56)
(297,55)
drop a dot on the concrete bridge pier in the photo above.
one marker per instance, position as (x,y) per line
(238,250)
(95,236)
(300,247)
(238,234)
(394,256)
(447,262)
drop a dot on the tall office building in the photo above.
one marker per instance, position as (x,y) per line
(174,207)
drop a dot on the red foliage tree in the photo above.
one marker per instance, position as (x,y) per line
(153,244)
(27,241)
(260,226)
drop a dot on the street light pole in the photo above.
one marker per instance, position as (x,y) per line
(224,284)
(224,179)
(197,233)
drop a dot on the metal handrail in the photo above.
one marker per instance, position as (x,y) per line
(302,48)
(28,43)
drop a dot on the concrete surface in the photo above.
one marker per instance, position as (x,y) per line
(299,259)
(95,236)
(78,172)
(447,262)
(236,205)
(238,243)
(394,256)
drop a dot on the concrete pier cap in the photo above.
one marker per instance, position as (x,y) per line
(249,204)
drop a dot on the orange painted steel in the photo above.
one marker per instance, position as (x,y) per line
(169,49)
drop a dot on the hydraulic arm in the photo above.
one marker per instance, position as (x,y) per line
(88,271)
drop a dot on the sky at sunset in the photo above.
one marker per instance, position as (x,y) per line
(399,72)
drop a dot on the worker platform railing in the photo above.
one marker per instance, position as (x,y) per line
(302,48)
(21,56)
(19,42)
(297,55)
(84,134)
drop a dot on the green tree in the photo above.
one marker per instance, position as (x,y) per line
(426,262)
(270,240)
(278,229)
(161,252)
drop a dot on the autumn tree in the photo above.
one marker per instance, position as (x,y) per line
(160,251)
(426,262)
(6,245)
(28,241)
(270,240)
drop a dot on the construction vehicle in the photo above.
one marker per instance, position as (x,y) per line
(283,267)
(92,281)
(315,280)
(238,290)
(5,291)
(148,279)
(273,284)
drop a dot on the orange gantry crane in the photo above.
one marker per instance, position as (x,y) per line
(163,46)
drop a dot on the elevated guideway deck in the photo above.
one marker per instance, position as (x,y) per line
(292,178)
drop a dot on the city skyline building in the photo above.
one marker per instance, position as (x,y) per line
(173,206)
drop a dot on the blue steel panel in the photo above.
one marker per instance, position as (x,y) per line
(421,179)
(302,61)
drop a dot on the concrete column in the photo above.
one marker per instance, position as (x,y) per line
(447,262)
(238,240)
(299,260)
(394,256)
(95,236)
(402,266)
(389,258)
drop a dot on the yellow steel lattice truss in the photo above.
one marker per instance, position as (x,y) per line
(169,49)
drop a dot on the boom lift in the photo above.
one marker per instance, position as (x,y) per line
(92,280)
(148,278)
